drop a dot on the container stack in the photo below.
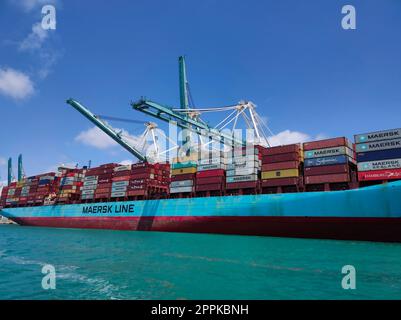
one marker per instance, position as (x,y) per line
(183,176)
(329,165)
(211,174)
(120,180)
(97,183)
(148,181)
(379,156)
(9,195)
(3,196)
(69,186)
(243,170)
(46,186)
(282,169)
(29,190)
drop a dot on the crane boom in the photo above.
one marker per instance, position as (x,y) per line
(168,114)
(110,131)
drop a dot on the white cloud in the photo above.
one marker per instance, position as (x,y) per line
(3,161)
(289,137)
(15,84)
(35,39)
(97,138)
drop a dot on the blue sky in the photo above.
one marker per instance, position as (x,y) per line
(291,58)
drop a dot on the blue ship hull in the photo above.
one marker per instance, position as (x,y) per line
(370,213)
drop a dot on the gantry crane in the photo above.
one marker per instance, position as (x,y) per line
(186,117)
(189,118)
(124,140)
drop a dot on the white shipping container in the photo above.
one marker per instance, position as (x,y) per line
(117,194)
(242,171)
(119,189)
(87,192)
(122,168)
(120,183)
(181,189)
(90,178)
(250,164)
(243,159)
(182,183)
(90,187)
(212,161)
(253,177)
(205,167)
(90,183)
(379,165)
(87,196)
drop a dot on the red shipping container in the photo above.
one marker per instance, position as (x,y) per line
(140,176)
(137,193)
(379,175)
(280,165)
(242,185)
(280,182)
(104,185)
(137,187)
(209,187)
(139,165)
(123,178)
(210,173)
(210,180)
(328,178)
(147,170)
(109,165)
(282,149)
(323,170)
(102,195)
(138,181)
(327,143)
(104,176)
(102,190)
(281,158)
(122,173)
(100,181)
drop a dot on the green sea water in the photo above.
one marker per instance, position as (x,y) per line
(102,264)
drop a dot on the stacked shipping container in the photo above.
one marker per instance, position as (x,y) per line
(149,180)
(97,183)
(211,174)
(329,164)
(379,155)
(30,191)
(282,169)
(69,185)
(183,175)
(243,170)
(114,182)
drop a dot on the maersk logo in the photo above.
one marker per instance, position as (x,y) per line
(129,208)
(383,135)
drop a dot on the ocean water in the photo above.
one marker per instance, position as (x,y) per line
(102,264)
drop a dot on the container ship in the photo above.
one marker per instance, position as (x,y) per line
(327,189)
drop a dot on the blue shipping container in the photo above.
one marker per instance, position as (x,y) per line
(325,161)
(379,155)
